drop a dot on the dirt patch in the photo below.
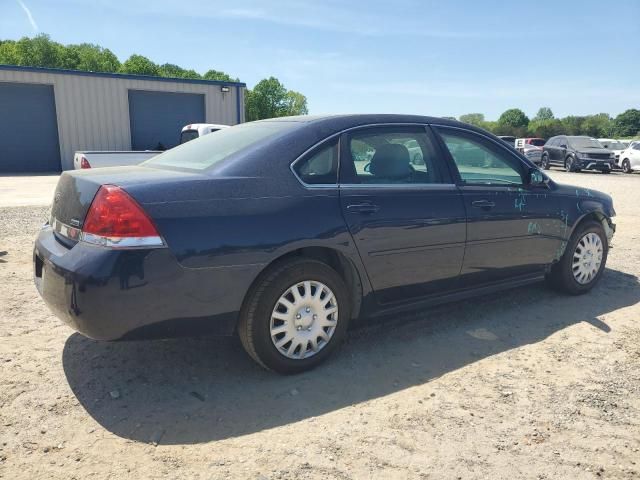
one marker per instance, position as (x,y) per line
(523,384)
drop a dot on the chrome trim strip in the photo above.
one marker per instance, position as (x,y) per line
(401,186)
(122,242)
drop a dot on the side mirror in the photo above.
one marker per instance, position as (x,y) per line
(537,178)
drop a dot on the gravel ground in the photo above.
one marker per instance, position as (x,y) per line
(523,384)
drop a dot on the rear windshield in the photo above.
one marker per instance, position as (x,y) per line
(206,151)
(188,135)
(538,142)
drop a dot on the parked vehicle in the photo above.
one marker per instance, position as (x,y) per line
(521,143)
(533,153)
(616,146)
(508,139)
(630,158)
(576,153)
(196,130)
(99,159)
(273,230)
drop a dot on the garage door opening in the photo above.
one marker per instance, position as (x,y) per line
(157,117)
(28,128)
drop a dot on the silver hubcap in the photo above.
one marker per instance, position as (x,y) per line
(587,258)
(304,319)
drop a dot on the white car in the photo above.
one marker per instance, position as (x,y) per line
(616,146)
(196,130)
(630,158)
(533,153)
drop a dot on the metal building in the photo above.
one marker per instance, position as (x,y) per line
(48,114)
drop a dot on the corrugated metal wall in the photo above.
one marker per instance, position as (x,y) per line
(93,111)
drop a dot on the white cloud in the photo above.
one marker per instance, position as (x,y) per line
(32,21)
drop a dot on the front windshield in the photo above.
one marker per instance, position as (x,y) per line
(584,142)
(615,145)
(206,151)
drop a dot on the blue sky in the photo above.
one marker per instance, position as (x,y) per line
(442,58)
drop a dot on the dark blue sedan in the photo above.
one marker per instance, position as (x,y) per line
(283,231)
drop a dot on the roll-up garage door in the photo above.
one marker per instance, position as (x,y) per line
(28,128)
(158,117)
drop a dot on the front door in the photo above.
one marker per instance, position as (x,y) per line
(509,231)
(405,214)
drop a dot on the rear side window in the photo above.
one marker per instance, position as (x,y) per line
(320,167)
(390,155)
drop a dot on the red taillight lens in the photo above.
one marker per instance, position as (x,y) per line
(115,219)
(84,163)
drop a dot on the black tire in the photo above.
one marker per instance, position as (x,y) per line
(626,166)
(544,162)
(255,317)
(606,171)
(569,163)
(561,275)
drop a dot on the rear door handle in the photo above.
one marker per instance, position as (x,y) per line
(484,204)
(364,208)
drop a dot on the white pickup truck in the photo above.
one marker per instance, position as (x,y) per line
(98,159)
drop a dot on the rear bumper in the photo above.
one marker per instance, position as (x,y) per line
(109,294)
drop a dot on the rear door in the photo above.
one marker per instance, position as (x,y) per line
(403,210)
(511,230)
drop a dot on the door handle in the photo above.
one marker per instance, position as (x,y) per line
(484,204)
(364,208)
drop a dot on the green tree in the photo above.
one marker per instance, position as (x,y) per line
(268,99)
(476,119)
(297,103)
(599,125)
(544,113)
(514,117)
(89,57)
(38,51)
(627,124)
(139,65)
(572,125)
(219,76)
(170,70)
(545,128)
(9,53)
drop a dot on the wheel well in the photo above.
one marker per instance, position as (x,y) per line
(333,258)
(598,217)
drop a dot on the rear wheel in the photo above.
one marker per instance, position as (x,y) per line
(626,166)
(583,261)
(544,162)
(296,316)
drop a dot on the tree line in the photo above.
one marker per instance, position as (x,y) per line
(268,99)
(545,124)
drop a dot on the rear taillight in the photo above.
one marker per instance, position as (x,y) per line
(84,163)
(116,220)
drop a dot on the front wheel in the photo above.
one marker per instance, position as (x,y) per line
(583,261)
(568,164)
(626,166)
(295,317)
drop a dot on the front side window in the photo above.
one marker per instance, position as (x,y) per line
(390,155)
(480,162)
(320,167)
